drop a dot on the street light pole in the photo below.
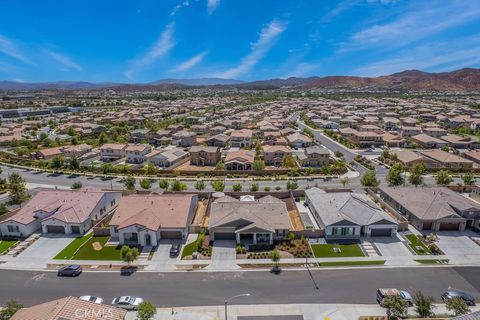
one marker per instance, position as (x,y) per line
(231,298)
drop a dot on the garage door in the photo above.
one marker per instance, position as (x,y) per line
(55,229)
(449,226)
(427,226)
(224,236)
(381,232)
(170,235)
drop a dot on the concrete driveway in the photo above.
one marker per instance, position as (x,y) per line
(47,246)
(391,246)
(223,255)
(161,259)
(458,243)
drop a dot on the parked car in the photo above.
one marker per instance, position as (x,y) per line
(72,271)
(127,302)
(382,293)
(175,250)
(454,293)
(92,299)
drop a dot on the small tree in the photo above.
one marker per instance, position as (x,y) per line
(396,305)
(258,165)
(344,181)
(289,162)
(369,179)
(200,185)
(254,187)
(218,185)
(76,185)
(57,162)
(129,182)
(266,189)
(150,169)
(106,168)
(129,254)
(292,185)
(275,256)
(457,305)
(443,178)
(220,166)
(416,174)
(338,154)
(178,185)
(10,308)
(163,184)
(74,163)
(424,305)
(146,311)
(17,188)
(468,179)
(145,183)
(394,176)
(237,187)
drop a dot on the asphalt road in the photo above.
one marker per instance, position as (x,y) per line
(203,288)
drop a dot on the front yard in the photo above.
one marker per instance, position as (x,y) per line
(90,248)
(336,250)
(418,246)
(6,244)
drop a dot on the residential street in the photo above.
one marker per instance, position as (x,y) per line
(208,288)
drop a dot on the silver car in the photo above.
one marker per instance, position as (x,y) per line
(127,302)
(93,299)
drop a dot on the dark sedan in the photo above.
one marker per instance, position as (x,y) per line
(71,271)
(454,293)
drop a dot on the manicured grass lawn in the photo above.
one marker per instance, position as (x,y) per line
(432,261)
(68,252)
(87,252)
(415,242)
(327,250)
(6,244)
(352,263)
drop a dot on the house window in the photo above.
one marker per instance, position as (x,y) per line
(112,203)
(13,229)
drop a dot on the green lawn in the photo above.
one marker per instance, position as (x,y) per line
(415,242)
(6,244)
(432,261)
(327,250)
(190,248)
(352,263)
(86,252)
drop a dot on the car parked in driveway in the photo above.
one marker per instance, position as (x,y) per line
(93,299)
(175,250)
(127,302)
(454,293)
(382,293)
(72,271)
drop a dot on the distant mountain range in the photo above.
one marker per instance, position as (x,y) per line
(467,79)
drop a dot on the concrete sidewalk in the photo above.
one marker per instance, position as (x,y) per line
(285,311)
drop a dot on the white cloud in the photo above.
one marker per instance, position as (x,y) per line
(160,48)
(8,47)
(268,35)
(192,62)
(65,61)
(212,5)
(416,24)
(185,3)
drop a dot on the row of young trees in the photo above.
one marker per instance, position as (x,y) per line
(397,308)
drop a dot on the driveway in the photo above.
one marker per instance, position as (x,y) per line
(390,246)
(46,247)
(458,243)
(223,255)
(161,259)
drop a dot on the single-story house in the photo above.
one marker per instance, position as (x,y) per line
(145,219)
(433,208)
(167,158)
(348,216)
(249,221)
(60,211)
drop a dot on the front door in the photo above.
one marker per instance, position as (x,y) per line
(148,240)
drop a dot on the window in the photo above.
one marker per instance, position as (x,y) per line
(13,229)
(112,203)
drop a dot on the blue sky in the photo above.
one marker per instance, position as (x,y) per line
(141,41)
